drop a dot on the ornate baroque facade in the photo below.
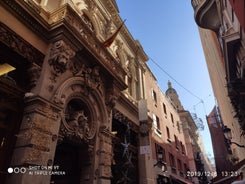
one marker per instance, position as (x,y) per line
(70,104)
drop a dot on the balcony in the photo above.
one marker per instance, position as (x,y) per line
(206,14)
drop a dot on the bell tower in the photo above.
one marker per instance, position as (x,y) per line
(173,95)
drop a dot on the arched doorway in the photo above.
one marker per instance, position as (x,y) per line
(73,161)
(75,148)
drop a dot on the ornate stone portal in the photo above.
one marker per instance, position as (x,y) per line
(77,122)
(85,120)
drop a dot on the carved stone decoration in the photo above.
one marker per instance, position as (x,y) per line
(91,76)
(15,42)
(117,115)
(92,44)
(58,15)
(59,58)
(77,123)
(88,22)
(81,5)
(112,96)
(34,74)
(110,28)
(84,5)
(119,52)
(144,129)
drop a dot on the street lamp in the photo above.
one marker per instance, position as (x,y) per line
(228,136)
(160,163)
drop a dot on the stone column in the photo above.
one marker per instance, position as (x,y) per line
(134,76)
(36,142)
(146,175)
(105,156)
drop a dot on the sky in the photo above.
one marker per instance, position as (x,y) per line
(169,36)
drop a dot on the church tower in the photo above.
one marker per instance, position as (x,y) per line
(173,95)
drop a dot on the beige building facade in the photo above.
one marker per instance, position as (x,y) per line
(167,136)
(222,36)
(216,68)
(197,158)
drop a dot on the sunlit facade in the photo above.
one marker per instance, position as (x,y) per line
(221,27)
(69,104)
(167,136)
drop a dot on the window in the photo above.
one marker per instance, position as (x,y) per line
(180,168)
(168,134)
(172,119)
(156,125)
(163,155)
(172,160)
(179,165)
(172,163)
(164,108)
(182,148)
(176,142)
(154,95)
(178,126)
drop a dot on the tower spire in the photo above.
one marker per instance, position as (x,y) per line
(173,95)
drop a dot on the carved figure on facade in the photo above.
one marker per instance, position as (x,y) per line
(95,77)
(34,72)
(119,52)
(81,4)
(76,125)
(132,68)
(111,98)
(128,63)
(91,76)
(110,29)
(78,122)
(84,4)
(60,55)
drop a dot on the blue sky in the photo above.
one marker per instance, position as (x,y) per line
(169,35)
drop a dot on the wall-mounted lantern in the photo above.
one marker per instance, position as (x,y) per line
(228,136)
(160,162)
